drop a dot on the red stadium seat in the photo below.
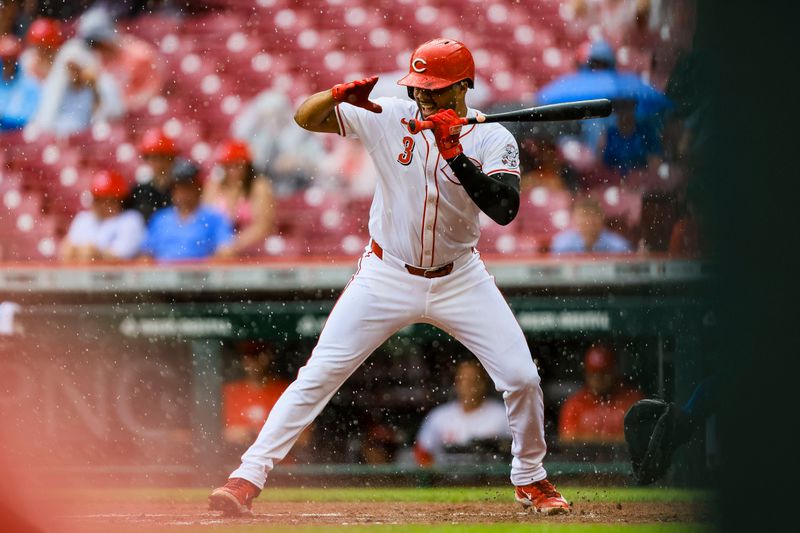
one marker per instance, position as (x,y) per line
(666,177)
(284,246)
(358,214)
(622,207)
(544,212)
(32,239)
(311,213)
(151,27)
(10,181)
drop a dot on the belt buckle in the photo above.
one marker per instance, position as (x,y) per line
(428,273)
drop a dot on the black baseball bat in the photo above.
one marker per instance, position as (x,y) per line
(580,110)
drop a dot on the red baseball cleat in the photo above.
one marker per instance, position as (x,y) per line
(235,498)
(543,497)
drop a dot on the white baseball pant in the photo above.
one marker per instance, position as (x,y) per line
(382,298)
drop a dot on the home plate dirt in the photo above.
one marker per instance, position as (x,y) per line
(149,515)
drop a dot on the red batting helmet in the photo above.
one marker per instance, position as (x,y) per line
(438,64)
(45,32)
(155,142)
(599,359)
(233,151)
(109,184)
(10,47)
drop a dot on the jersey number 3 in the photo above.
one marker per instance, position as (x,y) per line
(407,154)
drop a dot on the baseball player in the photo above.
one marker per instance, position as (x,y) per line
(420,265)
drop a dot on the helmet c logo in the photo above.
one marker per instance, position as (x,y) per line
(417,68)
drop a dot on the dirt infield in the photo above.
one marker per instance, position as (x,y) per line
(148,516)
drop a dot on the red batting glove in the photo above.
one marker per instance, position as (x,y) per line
(446,131)
(357,93)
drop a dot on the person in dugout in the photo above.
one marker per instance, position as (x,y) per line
(594,414)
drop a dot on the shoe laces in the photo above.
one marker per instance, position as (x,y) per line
(545,488)
(241,484)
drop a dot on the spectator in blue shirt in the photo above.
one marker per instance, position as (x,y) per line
(588,233)
(19,93)
(630,143)
(187,230)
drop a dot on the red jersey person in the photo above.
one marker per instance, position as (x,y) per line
(247,402)
(595,413)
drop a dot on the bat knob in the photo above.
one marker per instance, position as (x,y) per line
(412,126)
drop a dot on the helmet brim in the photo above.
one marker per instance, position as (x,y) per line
(425,81)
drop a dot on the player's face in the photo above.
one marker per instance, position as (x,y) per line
(589,223)
(106,207)
(161,166)
(235,173)
(600,383)
(186,196)
(430,101)
(470,385)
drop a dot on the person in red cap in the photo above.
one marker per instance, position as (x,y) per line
(594,413)
(243,195)
(107,231)
(421,263)
(157,150)
(45,36)
(246,402)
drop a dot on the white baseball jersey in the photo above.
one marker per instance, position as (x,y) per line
(432,221)
(121,235)
(420,216)
(449,424)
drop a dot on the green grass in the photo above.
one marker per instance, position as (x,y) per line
(404,494)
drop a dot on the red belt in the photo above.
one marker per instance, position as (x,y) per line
(437,272)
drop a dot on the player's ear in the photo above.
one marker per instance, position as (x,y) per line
(410,92)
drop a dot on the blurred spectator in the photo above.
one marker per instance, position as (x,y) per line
(14,16)
(287,153)
(132,63)
(106,231)
(45,36)
(19,94)
(617,18)
(686,239)
(543,167)
(158,152)
(76,94)
(247,402)
(468,423)
(588,232)
(379,445)
(629,143)
(243,196)
(187,229)
(596,55)
(594,414)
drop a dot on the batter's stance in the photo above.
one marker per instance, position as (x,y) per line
(421,264)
